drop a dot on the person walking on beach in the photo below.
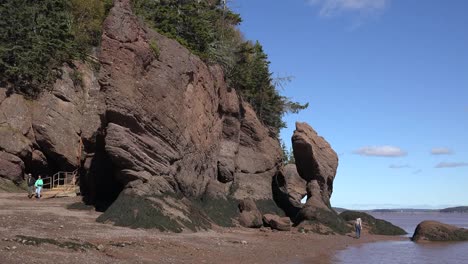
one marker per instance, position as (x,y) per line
(358,226)
(38,186)
(30,181)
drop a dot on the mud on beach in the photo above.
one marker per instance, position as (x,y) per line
(46,231)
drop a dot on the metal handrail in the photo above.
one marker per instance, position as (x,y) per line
(68,178)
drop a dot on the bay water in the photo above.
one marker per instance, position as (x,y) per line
(395,252)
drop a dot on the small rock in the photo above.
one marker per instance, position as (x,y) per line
(243,242)
(100,247)
(24,241)
(61,226)
(13,247)
(7,248)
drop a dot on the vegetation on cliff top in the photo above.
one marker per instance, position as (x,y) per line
(208,29)
(37,37)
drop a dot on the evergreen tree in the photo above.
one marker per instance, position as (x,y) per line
(252,77)
(35,37)
(38,36)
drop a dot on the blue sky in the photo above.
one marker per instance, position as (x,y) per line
(387,83)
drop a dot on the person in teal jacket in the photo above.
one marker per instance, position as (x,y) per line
(38,186)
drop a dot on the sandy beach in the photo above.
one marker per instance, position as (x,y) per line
(45,231)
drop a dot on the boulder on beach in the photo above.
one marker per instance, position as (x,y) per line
(437,231)
(250,216)
(375,226)
(277,222)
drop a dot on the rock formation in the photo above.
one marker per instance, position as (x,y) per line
(436,231)
(316,163)
(174,128)
(160,140)
(47,134)
(163,132)
(289,189)
(373,225)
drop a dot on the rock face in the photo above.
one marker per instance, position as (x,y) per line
(47,134)
(436,231)
(11,167)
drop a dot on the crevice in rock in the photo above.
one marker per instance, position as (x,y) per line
(61,97)
(98,183)
(281,197)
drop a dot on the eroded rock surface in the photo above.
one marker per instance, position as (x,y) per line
(47,134)
(175,129)
(316,163)
(290,189)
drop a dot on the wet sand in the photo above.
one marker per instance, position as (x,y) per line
(73,236)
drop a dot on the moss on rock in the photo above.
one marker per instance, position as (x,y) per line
(220,211)
(376,226)
(318,216)
(145,212)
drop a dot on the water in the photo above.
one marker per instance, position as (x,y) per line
(393,252)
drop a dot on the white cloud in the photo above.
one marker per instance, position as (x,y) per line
(393,166)
(441,151)
(380,151)
(451,164)
(329,8)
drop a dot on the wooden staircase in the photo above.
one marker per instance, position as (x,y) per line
(61,184)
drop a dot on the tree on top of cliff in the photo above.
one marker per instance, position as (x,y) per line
(208,28)
(38,36)
(253,78)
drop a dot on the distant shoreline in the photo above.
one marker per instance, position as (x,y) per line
(458,209)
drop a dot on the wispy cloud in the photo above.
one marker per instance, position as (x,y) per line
(451,164)
(403,166)
(330,8)
(417,171)
(380,151)
(441,151)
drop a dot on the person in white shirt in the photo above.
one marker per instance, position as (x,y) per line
(358,226)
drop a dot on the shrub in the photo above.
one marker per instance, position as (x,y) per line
(154,48)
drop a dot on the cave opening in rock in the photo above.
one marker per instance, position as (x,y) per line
(98,183)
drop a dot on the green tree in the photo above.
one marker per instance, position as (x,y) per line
(35,38)
(86,23)
(252,77)
(38,36)
(204,27)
